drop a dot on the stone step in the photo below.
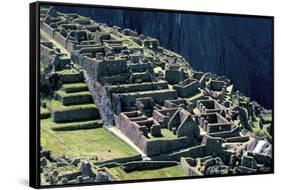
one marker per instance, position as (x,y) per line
(74,98)
(44,113)
(75,87)
(71,76)
(78,125)
(61,113)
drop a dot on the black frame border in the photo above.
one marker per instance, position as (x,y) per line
(34,94)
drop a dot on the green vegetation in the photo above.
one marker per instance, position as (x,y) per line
(63,170)
(261,131)
(44,113)
(126,40)
(166,134)
(266,118)
(83,143)
(58,106)
(68,71)
(243,101)
(75,87)
(130,44)
(70,76)
(74,98)
(256,122)
(64,94)
(76,125)
(174,171)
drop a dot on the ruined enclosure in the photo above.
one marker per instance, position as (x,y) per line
(116,105)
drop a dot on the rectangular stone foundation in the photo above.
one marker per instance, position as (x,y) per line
(158,96)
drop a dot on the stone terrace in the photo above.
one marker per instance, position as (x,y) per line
(153,96)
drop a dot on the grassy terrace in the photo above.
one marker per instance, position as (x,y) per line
(174,171)
(64,94)
(261,132)
(74,125)
(75,87)
(58,106)
(44,113)
(68,71)
(83,143)
(74,98)
(166,135)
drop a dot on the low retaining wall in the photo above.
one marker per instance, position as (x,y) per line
(137,87)
(59,38)
(260,158)
(78,126)
(147,165)
(193,152)
(72,78)
(71,176)
(120,160)
(67,99)
(155,147)
(158,96)
(237,139)
(189,170)
(75,115)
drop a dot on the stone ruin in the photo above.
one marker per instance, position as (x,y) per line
(158,101)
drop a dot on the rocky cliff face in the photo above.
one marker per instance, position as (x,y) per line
(240,48)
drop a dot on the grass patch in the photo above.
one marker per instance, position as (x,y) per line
(75,98)
(61,113)
(74,94)
(77,125)
(44,113)
(70,76)
(75,87)
(83,143)
(166,134)
(68,71)
(173,171)
(266,118)
(256,122)
(58,106)
(261,132)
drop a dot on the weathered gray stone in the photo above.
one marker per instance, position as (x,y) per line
(75,162)
(80,179)
(102,177)
(155,131)
(86,169)
(44,162)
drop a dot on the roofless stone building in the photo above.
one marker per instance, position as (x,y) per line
(154,97)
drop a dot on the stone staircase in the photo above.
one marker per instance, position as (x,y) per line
(73,107)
